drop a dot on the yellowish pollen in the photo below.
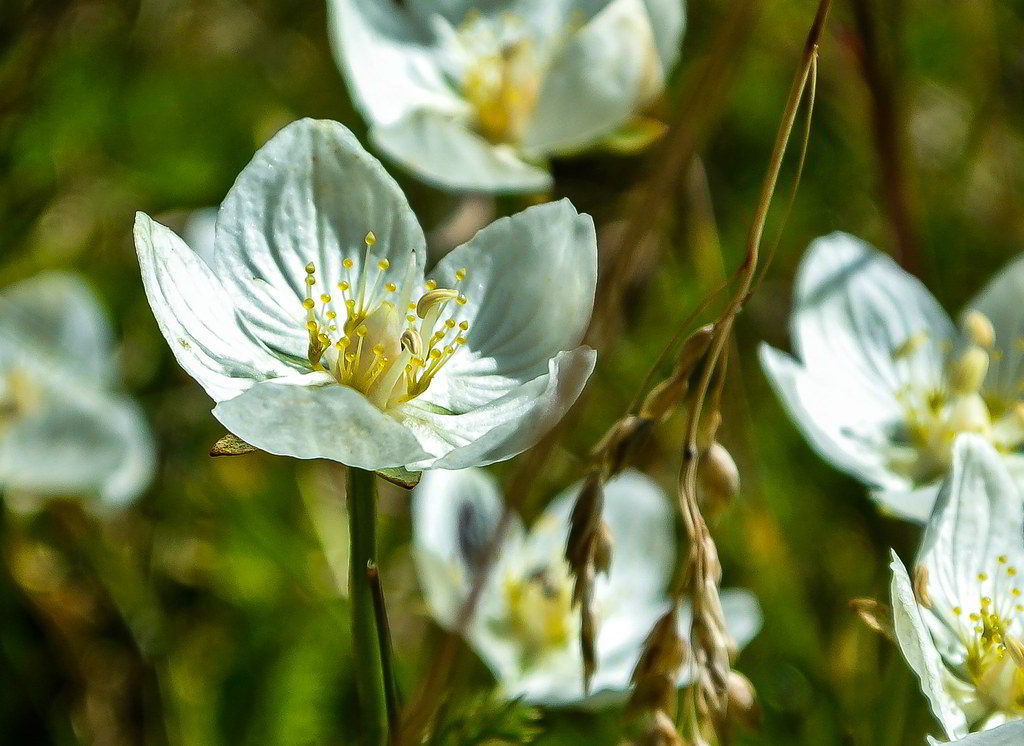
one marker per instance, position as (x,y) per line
(370,238)
(430,285)
(325,298)
(347,264)
(308,304)
(383,265)
(979,328)
(460,274)
(392,287)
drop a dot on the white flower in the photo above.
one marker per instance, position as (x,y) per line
(315,333)
(63,428)
(1011,734)
(960,623)
(523,628)
(885,382)
(477,99)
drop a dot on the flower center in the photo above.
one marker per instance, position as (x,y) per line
(958,403)
(539,610)
(991,634)
(375,336)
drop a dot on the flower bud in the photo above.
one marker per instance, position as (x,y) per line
(742,700)
(718,479)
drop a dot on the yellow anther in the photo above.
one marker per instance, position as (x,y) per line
(957,611)
(911,345)
(435,354)
(982,576)
(323,339)
(410,318)
(979,328)
(332,315)
(370,239)
(985,602)
(310,268)
(460,340)
(343,343)
(325,298)
(310,280)
(350,304)
(449,324)
(1015,593)
(392,287)
(383,265)
(343,285)
(350,357)
(969,371)
(430,284)
(461,300)
(1002,559)
(464,326)
(308,304)
(460,274)
(346,263)
(378,349)
(361,330)
(311,327)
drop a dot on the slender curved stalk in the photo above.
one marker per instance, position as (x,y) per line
(366,650)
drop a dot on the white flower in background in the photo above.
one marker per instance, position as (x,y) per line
(524,629)
(63,428)
(960,622)
(1011,734)
(885,382)
(477,99)
(314,331)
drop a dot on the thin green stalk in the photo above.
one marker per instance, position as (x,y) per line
(369,667)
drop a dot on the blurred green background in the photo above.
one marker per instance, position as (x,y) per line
(212,611)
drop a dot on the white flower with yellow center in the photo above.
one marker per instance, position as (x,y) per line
(63,427)
(477,98)
(960,622)
(885,382)
(524,628)
(315,331)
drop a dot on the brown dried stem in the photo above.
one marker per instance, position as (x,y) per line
(701,569)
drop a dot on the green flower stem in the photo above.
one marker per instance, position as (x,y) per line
(366,650)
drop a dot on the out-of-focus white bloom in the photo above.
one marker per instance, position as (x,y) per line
(63,428)
(315,333)
(476,98)
(885,382)
(524,629)
(960,622)
(1011,734)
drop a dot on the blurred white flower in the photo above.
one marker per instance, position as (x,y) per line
(885,382)
(63,427)
(960,622)
(315,333)
(1011,734)
(524,629)
(476,99)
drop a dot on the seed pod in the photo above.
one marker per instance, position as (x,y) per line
(614,448)
(660,731)
(718,479)
(603,544)
(656,673)
(743,705)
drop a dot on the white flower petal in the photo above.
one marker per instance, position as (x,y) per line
(454,517)
(311,416)
(597,81)
(1010,734)
(196,317)
(916,643)
(440,148)
(389,60)
(1000,301)
(910,504)
(59,318)
(854,307)
(641,521)
(530,288)
(311,194)
(979,516)
(504,427)
(847,426)
(77,441)
(668,21)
